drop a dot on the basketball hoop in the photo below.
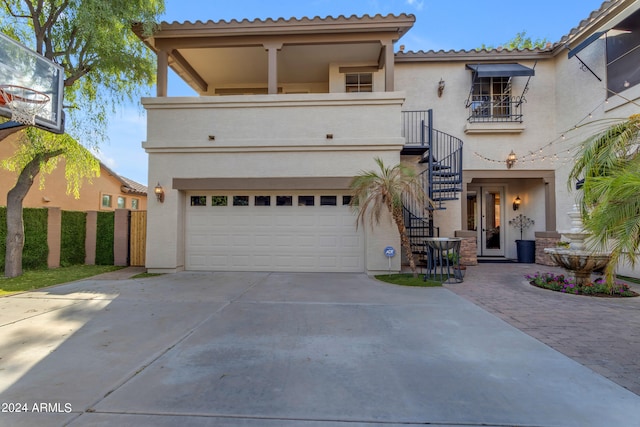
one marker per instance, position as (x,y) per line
(23,102)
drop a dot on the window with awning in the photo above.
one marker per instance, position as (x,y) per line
(500,70)
(491,98)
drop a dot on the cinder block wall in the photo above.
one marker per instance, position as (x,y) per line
(120,241)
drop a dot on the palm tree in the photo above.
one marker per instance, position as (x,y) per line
(609,165)
(376,190)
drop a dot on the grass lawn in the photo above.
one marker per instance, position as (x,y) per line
(36,279)
(407,279)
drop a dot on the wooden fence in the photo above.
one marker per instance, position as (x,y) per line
(137,238)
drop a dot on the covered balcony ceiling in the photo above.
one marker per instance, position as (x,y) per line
(213,54)
(296,63)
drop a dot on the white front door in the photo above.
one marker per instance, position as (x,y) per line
(491,222)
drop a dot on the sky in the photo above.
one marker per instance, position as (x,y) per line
(440,25)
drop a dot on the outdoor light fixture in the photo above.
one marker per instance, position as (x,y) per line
(516,203)
(440,88)
(159,193)
(511,159)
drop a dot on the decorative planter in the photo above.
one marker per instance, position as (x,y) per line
(526,251)
(458,272)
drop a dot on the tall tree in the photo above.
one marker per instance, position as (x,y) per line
(375,191)
(104,64)
(520,41)
(609,164)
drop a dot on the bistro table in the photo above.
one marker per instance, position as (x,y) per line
(443,259)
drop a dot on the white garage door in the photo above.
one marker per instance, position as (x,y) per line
(272,232)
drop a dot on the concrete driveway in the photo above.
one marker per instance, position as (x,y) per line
(272,349)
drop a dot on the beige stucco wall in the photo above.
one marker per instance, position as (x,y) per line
(420,81)
(54,193)
(265,136)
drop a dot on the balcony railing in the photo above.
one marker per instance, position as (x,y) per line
(497,108)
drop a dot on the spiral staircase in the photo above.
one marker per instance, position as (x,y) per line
(441,177)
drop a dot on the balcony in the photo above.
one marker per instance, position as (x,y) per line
(497,114)
(495,109)
(270,123)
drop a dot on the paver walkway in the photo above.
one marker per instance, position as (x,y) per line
(600,333)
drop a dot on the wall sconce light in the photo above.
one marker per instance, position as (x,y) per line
(511,159)
(516,203)
(159,193)
(440,87)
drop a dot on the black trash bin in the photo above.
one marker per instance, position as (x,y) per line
(526,251)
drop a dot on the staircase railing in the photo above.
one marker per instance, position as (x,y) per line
(441,179)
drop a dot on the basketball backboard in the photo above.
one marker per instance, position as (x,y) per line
(22,67)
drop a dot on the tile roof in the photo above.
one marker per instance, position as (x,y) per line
(128,185)
(462,54)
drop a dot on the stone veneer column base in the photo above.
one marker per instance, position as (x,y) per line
(545,239)
(468,247)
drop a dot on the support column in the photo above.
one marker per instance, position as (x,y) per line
(162,73)
(389,66)
(272,50)
(91,238)
(550,203)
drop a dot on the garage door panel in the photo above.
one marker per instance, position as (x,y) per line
(328,242)
(262,240)
(273,238)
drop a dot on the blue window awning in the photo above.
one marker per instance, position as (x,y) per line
(585,43)
(500,70)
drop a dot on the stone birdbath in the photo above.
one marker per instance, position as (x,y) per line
(576,260)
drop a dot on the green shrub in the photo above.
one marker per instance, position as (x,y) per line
(36,249)
(104,238)
(74,230)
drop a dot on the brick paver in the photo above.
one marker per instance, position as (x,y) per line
(600,333)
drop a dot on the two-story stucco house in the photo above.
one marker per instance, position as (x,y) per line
(256,170)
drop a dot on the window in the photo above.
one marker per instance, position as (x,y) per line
(240,200)
(328,200)
(198,200)
(218,200)
(262,200)
(306,200)
(346,200)
(122,202)
(359,82)
(135,204)
(106,200)
(623,55)
(284,200)
(491,97)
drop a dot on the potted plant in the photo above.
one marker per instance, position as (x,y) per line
(458,269)
(526,249)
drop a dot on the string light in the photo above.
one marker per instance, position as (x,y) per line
(538,154)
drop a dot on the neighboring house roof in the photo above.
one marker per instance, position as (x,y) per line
(128,185)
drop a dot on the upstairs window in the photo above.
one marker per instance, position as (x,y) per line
(491,98)
(623,55)
(359,82)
